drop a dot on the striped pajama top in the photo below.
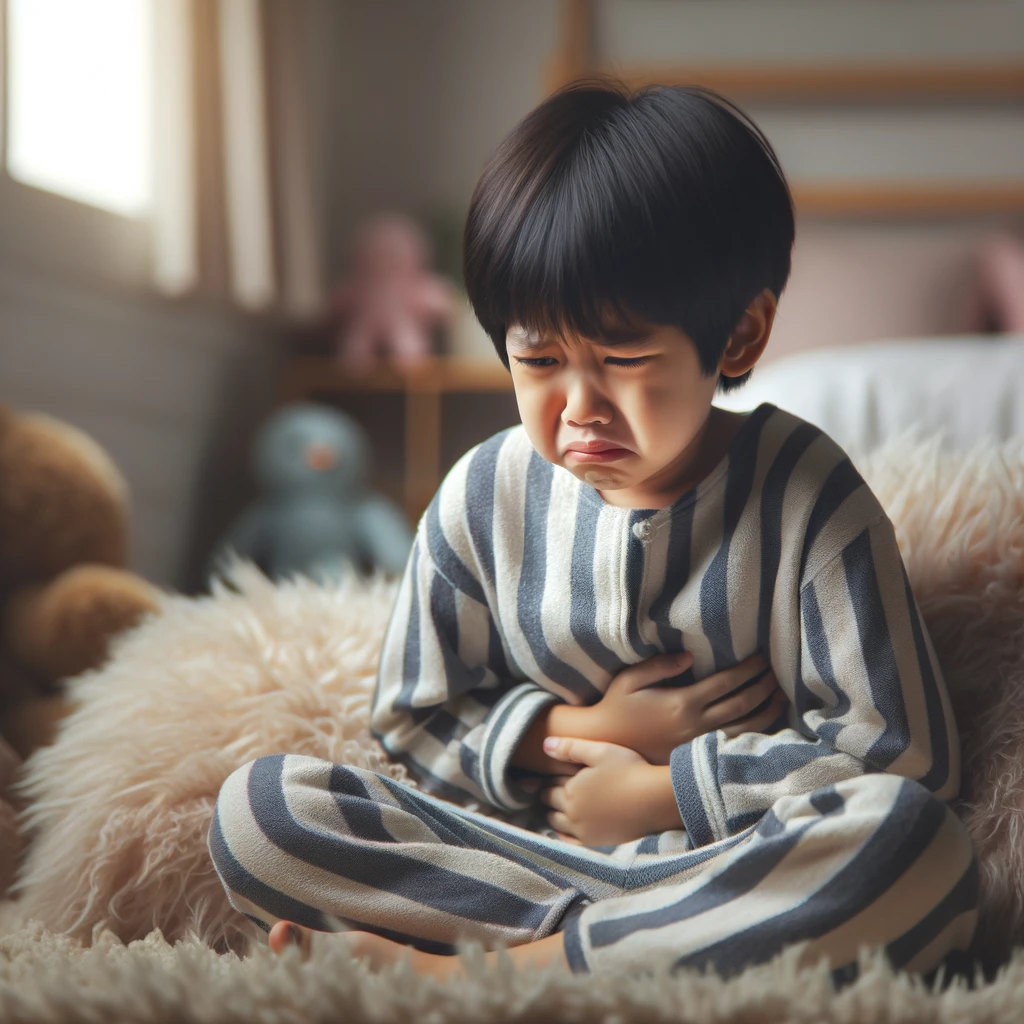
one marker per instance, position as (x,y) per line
(524,588)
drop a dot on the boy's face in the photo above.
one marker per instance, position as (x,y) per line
(625,413)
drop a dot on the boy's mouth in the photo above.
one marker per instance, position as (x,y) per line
(596,451)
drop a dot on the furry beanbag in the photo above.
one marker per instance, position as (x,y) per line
(122,801)
(120,805)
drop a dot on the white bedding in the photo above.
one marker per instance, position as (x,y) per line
(966,388)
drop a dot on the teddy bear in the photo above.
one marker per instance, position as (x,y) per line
(64,588)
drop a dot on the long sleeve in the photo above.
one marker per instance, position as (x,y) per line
(867,696)
(445,704)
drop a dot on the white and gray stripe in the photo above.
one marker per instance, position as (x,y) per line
(782,549)
(874,861)
(525,588)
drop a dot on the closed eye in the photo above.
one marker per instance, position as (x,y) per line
(618,361)
(544,361)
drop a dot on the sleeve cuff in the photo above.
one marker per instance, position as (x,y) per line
(507,723)
(695,784)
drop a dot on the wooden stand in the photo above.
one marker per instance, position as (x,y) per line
(423,386)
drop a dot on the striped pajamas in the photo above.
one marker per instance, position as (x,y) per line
(524,588)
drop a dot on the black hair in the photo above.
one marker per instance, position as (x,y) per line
(603,206)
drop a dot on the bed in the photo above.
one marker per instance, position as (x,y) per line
(966,389)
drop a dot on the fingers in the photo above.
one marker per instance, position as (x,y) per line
(559,822)
(566,838)
(760,721)
(554,797)
(587,752)
(722,683)
(741,704)
(653,670)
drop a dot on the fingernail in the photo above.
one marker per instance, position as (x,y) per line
(550,744)
(294,935)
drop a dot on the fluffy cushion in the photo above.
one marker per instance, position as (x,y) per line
(122,801)
(959,521)
(120,804)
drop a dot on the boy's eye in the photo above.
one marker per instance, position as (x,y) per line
(537,361)
(637,361)
(543,361)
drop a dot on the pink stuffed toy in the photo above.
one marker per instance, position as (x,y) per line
(1002,281)
(392,302)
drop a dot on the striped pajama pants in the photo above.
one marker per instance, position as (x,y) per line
(873,861)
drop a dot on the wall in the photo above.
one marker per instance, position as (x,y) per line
(172,393)
(173,390)
(432,87)
(426,90)
(409,98)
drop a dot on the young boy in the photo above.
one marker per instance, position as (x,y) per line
(587,617)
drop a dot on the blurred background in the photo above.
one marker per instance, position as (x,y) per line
(188,183)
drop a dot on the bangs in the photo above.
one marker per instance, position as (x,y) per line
(574,269)
(604,212)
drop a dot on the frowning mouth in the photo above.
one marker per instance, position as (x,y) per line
(595,451)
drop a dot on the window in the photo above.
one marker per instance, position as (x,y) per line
(79,98)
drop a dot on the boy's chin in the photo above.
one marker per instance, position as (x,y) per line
(601,478)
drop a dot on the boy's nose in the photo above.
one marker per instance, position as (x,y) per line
(585,404)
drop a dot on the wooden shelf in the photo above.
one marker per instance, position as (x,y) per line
(914,198)
(310,375)
(309,378)
(854,83)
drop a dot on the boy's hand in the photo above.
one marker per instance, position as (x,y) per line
(617,796)
(654,720)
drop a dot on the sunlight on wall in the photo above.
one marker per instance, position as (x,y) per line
(79,99)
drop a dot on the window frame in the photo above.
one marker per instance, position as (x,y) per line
(54,235)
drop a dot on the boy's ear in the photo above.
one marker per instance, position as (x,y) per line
(749,337)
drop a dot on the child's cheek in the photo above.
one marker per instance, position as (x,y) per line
(541,413)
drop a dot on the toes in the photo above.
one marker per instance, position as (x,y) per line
(285,934)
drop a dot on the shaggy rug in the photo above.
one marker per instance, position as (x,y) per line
(118,913)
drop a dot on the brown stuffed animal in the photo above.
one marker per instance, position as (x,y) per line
(64,591)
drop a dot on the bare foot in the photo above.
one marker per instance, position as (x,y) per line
(285,934)
(379,951)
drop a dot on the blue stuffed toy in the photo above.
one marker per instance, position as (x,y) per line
(315,516)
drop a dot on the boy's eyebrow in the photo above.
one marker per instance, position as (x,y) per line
(623,337)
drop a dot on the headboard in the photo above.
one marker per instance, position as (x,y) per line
(797,84)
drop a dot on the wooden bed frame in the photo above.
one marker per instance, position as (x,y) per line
(997,83)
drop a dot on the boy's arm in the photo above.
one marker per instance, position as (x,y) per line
(868,696)
(554,720)
(443,704)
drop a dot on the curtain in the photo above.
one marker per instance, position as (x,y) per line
(234,205)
